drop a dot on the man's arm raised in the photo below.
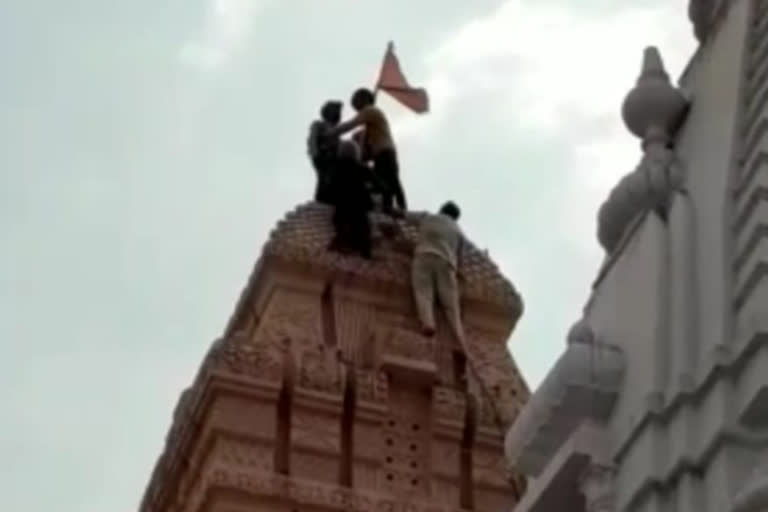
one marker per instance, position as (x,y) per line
(347,126)
(360,119)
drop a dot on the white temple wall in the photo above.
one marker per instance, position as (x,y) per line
(625,312)
(706,146)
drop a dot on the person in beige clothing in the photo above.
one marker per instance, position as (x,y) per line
(434,271)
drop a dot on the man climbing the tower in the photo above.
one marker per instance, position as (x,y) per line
(378,146)
(434,271)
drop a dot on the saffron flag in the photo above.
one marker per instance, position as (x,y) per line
(393,82)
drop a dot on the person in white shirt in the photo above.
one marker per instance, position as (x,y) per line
(434,271)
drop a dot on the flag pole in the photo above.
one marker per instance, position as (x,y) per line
(390,49)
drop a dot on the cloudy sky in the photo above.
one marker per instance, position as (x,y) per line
(146,149)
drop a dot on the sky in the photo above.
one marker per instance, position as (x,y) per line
(147,148)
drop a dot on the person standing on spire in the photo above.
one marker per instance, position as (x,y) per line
(378,146)
(322,147)
(434,270)
(352,203)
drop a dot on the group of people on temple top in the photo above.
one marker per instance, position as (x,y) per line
(351,171)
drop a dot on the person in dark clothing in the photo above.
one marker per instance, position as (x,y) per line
(322,146)
(352,203)
(378,146)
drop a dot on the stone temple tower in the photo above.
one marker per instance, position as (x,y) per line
(321,394)
(659,401)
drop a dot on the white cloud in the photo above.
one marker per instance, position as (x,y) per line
(227,25)
(561,72)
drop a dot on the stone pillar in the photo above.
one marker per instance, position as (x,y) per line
(597,485)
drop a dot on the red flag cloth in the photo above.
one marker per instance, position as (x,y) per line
(393,82)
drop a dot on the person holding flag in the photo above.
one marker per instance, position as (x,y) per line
(378,143)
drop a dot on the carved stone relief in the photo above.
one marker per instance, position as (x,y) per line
(291,315)
(371,386)
(320,432)
(306,493)
(449,404)
(320,370)
(405,344)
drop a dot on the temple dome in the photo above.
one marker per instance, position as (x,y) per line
(304,234)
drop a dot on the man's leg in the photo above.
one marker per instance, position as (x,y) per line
(360,232)
(317,164)
(400,194)
(323,192)
(337,241)
(423,283)
(448,295)
(395,184)
(385,167)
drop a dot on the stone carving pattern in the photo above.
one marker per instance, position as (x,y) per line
(650,185)
(243,454)
(406,345)
(371,386)
(311,466)
(445,492)
(317,431)
(499,377)
(450,404)
(305,493)
(353,330)
(320,370)
(259,361)
(490,467)
(445,457)
(303,236)
(233,355)
(291,316)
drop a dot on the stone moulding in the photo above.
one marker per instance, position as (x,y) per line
(583,384)
(653,111)
(225,478)
(707,16)
(649,186)
(227,367)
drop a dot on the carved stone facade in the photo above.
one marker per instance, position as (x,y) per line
(322,394)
